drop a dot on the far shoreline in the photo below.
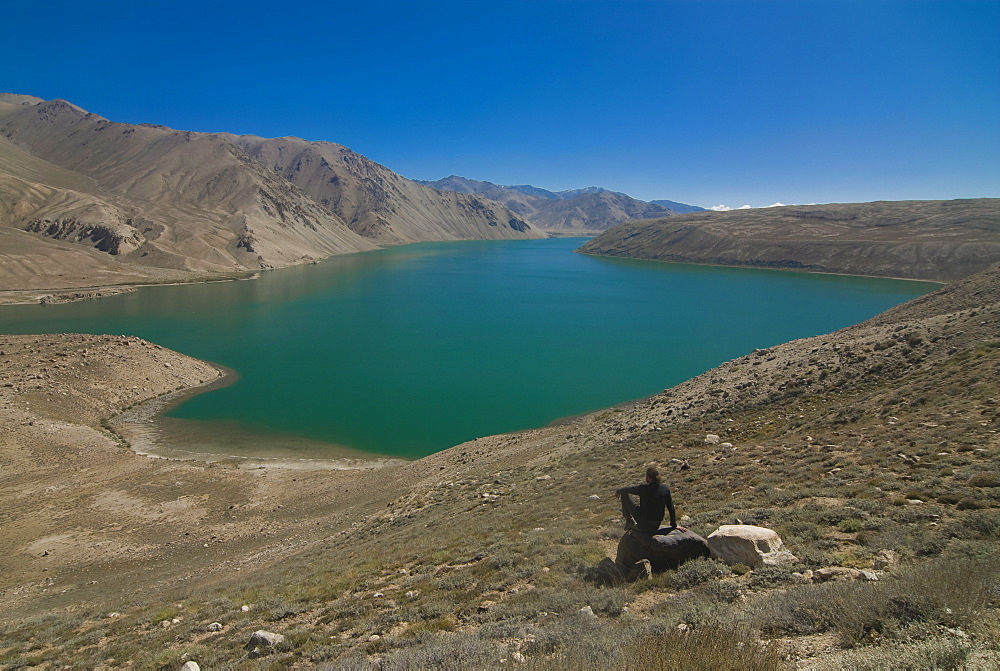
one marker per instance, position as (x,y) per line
(747,266)
(56,296)
(75,294)
(152,411)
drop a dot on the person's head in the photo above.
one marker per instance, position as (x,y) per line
(653,474)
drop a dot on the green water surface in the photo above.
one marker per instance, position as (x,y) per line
(410,350)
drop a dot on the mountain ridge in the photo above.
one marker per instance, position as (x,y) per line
(589,209)
(163,203)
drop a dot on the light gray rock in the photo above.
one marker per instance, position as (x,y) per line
(778,558)
(588,613)
(886,559)
(215,626)
(837,573)
(711,439)
(264,639)
(190,666)
(747,544)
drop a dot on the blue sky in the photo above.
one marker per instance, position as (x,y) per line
(702,102)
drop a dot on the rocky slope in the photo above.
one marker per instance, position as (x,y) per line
(157,202)
(376,202)
(941,240)
(875,446)
(575,211)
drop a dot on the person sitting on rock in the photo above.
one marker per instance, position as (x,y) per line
(654,500)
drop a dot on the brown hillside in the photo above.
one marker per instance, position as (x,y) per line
(376,202)
(183,204)
(941,240)
(593,212)
(873,448)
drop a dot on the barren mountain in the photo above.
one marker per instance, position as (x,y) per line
(679,208)
(520,199)
(578,210)
(176,204)
(595,211)
(940,240)
(376,202)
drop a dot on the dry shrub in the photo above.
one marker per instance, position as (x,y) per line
(706,647)
(970,503)
(944,592)
(456,652)
(938,653)
(698,571)
(985,479)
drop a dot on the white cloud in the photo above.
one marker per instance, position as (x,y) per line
(726,208)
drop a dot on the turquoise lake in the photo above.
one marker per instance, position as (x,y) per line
(409,350)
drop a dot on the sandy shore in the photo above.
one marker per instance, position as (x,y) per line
(147,432)
(72,294)
(84,517)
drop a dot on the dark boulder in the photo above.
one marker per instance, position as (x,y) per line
(664,549)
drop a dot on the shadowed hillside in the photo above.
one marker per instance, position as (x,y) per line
(941,240)
(376,202)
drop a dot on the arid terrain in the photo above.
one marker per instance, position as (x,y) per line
(937,240)
(86,203)
(875,448)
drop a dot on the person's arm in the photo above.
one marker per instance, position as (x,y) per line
(670,509)
(637,490)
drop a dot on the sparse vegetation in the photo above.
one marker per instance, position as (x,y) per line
(894,474)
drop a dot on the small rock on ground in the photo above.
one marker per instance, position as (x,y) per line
(261,638)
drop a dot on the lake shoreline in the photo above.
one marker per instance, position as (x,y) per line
(323,345)
(79,502)
(139,428)
(73,294)
(59,295)
(938,283)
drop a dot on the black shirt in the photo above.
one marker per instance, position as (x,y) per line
(654,499)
